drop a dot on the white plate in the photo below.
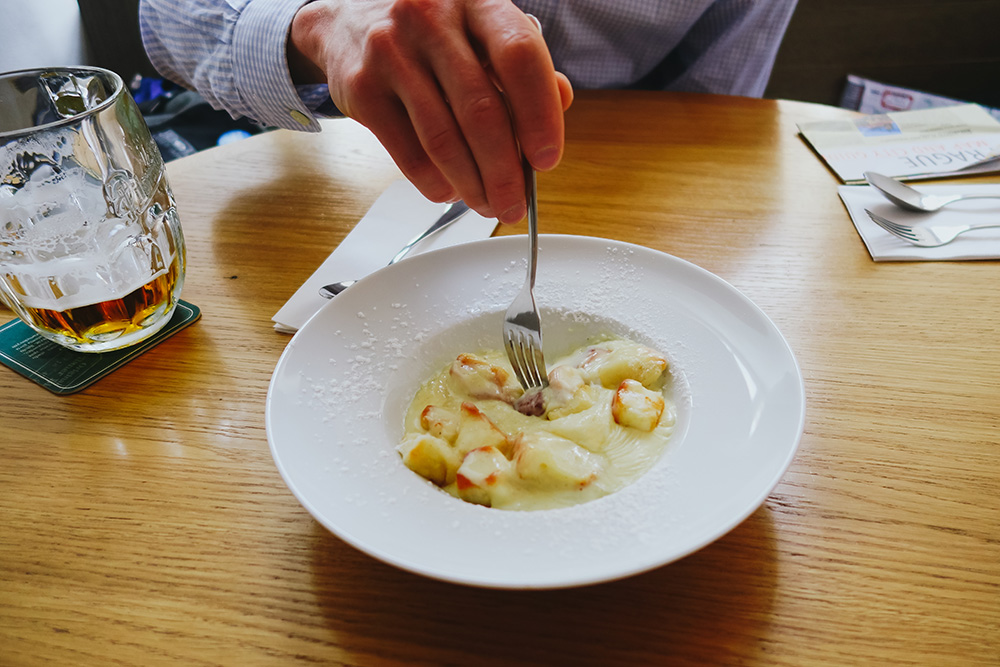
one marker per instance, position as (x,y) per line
(339,392)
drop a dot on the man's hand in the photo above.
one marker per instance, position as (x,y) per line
(429,78)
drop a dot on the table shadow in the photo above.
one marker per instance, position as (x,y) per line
(267,237)
(711,608)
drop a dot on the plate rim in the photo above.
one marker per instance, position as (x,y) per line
(790,449)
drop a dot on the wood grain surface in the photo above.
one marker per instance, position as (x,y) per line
(143,522)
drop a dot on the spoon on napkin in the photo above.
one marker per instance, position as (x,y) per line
(912,199)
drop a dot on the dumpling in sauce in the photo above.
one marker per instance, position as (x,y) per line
(603,420)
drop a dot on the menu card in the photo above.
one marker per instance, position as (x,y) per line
(908,145)
(869,96)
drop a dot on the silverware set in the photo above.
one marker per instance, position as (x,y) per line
(927,235)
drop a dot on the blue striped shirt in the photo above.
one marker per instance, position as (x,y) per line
(233,51)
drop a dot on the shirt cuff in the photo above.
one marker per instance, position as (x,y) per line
(260,65)
(316,97)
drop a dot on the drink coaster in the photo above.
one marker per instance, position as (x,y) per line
(65,371)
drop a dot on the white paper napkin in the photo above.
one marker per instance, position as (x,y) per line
(884,247)
(397,216)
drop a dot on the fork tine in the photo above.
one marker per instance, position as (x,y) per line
(527,359)
(884,223)
(538,375)
(897,227)
(516,358)
(892,227)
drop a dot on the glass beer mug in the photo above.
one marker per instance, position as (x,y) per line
(91,249)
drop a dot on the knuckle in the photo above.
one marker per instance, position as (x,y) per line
(443,145)
(419,12)
(503,190)
(439,192)
(436,189)
(474,193)
(382,41)
(425,176)
(359,84)
(482,110)
(518,46)
(507,188)
(363,97)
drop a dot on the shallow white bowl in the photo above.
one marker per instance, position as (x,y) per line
(339,392)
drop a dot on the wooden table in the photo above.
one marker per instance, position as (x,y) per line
(144,522)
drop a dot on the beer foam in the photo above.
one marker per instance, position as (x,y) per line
(50,209)
(71,252)
(86,283)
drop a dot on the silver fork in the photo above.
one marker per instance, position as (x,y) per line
(522,327)
(927,236)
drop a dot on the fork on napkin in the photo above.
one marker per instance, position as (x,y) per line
(884,247)
(398,215)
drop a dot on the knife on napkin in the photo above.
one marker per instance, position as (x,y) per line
(399,214)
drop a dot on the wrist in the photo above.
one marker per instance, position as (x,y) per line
(303,45)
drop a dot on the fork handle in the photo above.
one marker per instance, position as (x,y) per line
(531,197)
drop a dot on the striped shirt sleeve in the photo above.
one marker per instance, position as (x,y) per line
(233,54)
(233,51)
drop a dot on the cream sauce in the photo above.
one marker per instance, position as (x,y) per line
(577,453)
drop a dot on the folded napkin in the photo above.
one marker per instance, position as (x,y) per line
(399,214)
(884,247)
